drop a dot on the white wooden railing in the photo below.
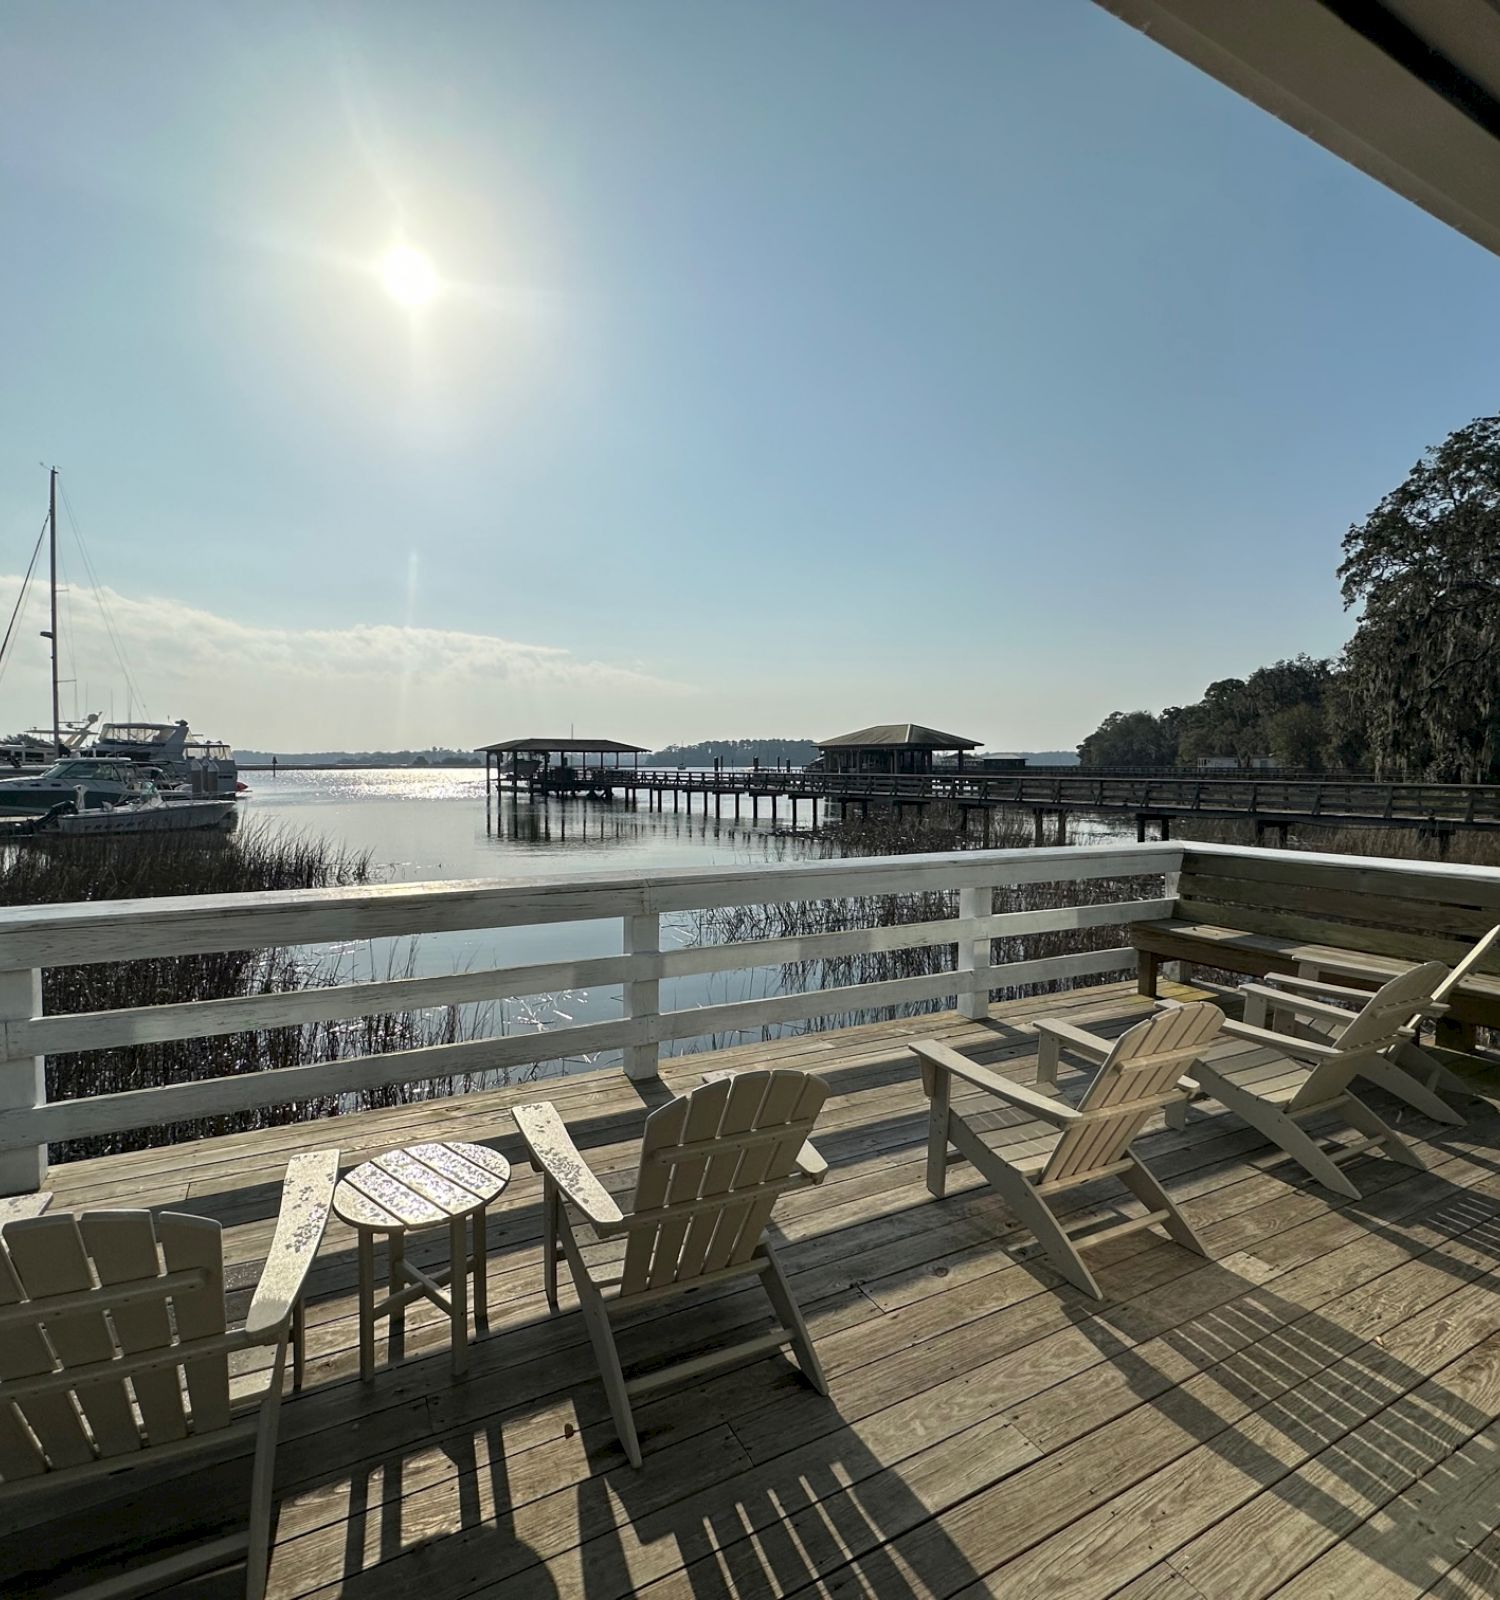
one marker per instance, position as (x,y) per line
(36,938)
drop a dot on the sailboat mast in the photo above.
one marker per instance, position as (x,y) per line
(52,527)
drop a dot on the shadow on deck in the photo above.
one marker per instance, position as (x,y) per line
(1308,1414)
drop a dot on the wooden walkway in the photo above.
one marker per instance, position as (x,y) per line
(1267,802)
(1310,1414)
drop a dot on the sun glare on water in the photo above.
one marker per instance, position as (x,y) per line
(409,277)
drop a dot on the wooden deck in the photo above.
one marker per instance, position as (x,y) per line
(1309,1414)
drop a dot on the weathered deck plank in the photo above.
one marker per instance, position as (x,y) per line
(1245,1426)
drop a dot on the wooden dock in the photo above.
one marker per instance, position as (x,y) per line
(1271,805)
(1311,1413)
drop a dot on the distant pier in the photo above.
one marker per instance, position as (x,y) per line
(1273,805)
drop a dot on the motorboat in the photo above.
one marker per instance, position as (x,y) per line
(98,782)
(150,813)
(205,767)
(36,749)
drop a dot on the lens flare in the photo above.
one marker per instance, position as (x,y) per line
(409,277)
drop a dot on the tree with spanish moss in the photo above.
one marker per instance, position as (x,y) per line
(1423,668)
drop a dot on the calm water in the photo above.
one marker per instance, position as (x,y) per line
(424,825)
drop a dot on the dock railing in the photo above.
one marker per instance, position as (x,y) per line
(1361,801)
(33,939)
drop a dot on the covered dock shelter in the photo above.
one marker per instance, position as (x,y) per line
(905,748)
(528,763)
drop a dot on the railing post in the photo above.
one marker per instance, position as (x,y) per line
(23,1080)
(643,995)
(974,952)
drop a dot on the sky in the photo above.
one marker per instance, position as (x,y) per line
(791,366)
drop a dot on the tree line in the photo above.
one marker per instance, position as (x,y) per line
(733,753)
(1415,694)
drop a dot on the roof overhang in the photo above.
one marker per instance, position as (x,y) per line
(536,746)
(898,736)
(1406,90)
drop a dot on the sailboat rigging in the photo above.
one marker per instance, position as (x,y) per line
(180,764)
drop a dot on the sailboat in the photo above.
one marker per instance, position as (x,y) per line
(181,766)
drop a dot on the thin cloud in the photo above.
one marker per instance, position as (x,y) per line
(368,686)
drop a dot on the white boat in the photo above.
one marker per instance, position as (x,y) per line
(152,814)
(204,766)
(35,749)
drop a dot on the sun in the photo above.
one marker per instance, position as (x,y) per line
(409,277)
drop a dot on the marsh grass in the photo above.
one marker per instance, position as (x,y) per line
(256,859)
(940,829)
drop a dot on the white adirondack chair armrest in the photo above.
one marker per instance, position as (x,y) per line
(306,1199)
(946,1059)
(554,1155)
(1087,1044)
(1303,1005)
(810,1164)
(1291,980)
(1287,1043)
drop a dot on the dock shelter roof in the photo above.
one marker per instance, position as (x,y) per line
(898,736)
(605,747)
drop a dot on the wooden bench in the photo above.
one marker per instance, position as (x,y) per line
(1290,911)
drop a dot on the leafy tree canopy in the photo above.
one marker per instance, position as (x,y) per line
(1423,666)
(1278,711)
(1129,739)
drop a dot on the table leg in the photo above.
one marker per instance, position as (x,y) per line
(480,1225)
(366,1253)
(395,1259)
(458,1293)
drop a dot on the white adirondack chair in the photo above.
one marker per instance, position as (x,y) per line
(1319,1072)
(1421,1067)
(1140,1074)
(89,1301)
(713,1163)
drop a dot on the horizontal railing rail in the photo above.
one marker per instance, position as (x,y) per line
(34,939)
(1361,800)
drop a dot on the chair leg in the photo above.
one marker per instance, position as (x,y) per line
(1141,1182)
(1029,1206)
(1406,1086)
(1176,1115)
(1048,1059)
(258,1556)
(551,1229)
(937,1134)
(1426,1068)
(790,1313)
(299,1342)
(1363,1120)
(1280,1130)
(602,1337)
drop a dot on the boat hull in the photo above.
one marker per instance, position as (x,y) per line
(183,816)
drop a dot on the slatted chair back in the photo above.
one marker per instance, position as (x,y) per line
(1378,1027)
(1137,1078)
(89,1302)
(713,1163)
